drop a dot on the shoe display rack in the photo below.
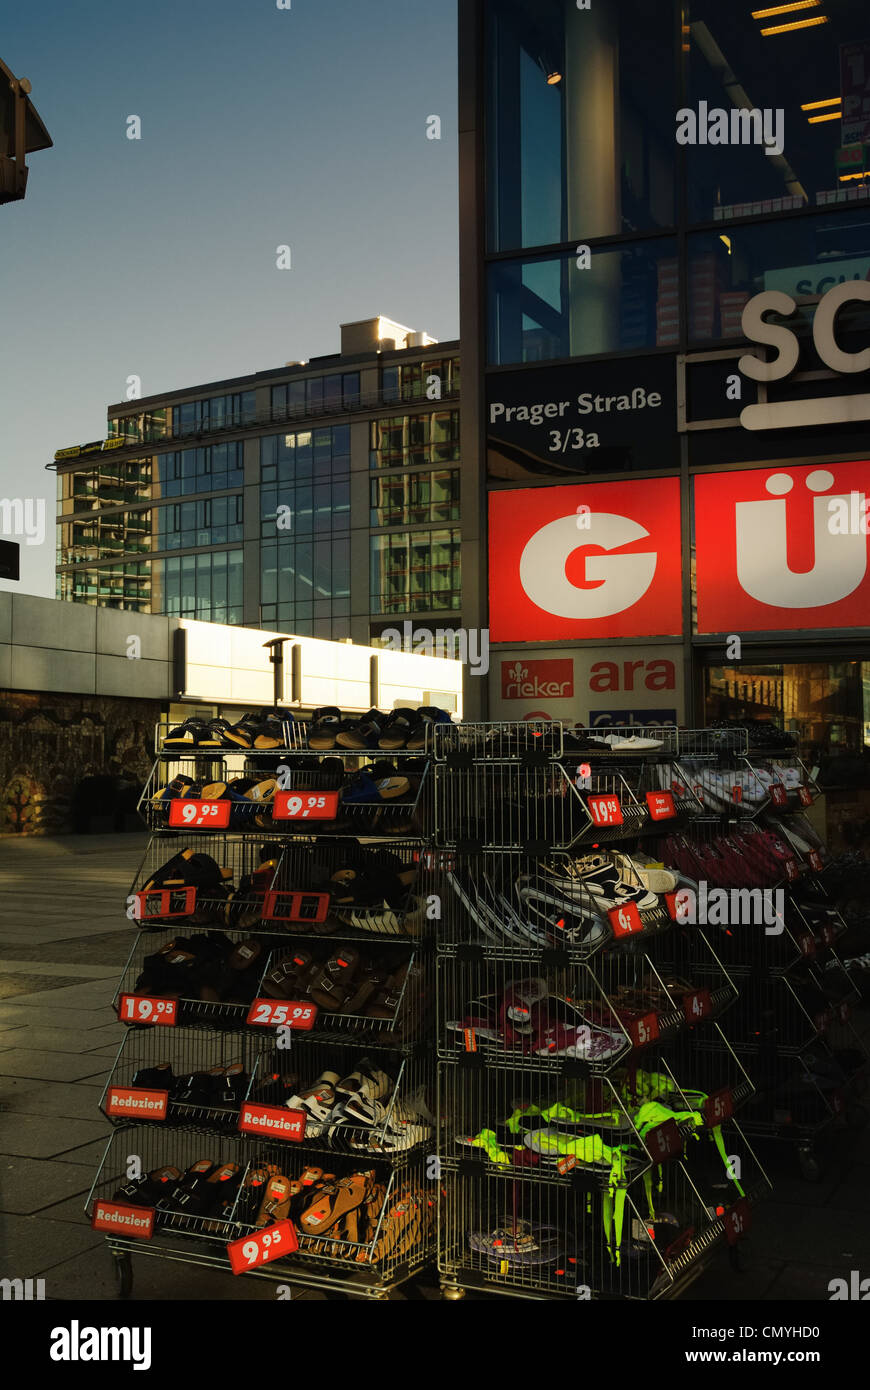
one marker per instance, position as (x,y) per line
(590,1147)
(792,1027)
(271,1100)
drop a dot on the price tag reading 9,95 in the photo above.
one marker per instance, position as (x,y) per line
(204,815)
(605,809)
(145,1008)
(273,1243)
(305,806)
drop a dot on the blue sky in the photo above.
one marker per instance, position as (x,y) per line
(260,127)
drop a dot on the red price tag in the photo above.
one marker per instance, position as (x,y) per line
(284,906)
(679,905)
(678,789)
(644,1031)
(137,1104)
(791,870)
(815,860)
(123,1220)
(718,1106)
(164,902)
(778,794)
(805,796)
(822,1021)
(845,1011)
(470,1040)
(305,806)
(737,793)
(737,1220)
(199,815)
(566,1163)
(274,1013)
(273,1122)
(664,1142)
(605,809)
(147,1008)
(272,1243)
(697,1005)
(625,921)
(806,944)
(661,805)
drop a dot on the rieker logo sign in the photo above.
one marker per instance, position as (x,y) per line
(601,560)
(530,680)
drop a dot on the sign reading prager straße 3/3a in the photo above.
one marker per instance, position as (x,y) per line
(589,416)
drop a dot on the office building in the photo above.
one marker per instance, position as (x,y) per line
(319,498)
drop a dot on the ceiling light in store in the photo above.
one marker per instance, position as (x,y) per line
(786,9)
(828,116)
(554,78)
(796,24)
(816,105)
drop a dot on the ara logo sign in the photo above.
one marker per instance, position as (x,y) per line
(527,680)
(767,555)
(820,410)
(599,560)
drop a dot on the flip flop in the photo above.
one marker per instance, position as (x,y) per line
(277,1197)
(333,1201)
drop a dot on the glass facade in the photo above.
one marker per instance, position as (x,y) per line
(316,395)
(628,120)
(416,381)
(415,571)
(305,532)
(412,441)
(415,498)
(208,587)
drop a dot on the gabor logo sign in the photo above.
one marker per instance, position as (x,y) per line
(526,680)
(767,556)
(821,410)
(616,575)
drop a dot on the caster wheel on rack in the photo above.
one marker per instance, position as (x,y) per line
(452,1295)
(123,1275)
(810,1165)
(740,1256)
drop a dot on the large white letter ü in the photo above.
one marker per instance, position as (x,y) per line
(839,564)
(623,578)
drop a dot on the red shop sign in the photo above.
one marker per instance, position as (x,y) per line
(768,557)
(587,560)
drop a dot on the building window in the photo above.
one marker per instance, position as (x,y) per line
(419,381)
(208,587)
(214,468)
(209,521)
(802,256)
(816,77)
(626,300)
(415,498)
(415,571)
(106,484)
(127,586)
(316,395)
(214,413)
(305,586)
(412,441)
(591,153)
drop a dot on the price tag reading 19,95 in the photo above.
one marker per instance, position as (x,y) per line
(605,809)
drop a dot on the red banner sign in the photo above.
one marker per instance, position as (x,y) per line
(123,1220)
(137,1103)
(661,805)
(273,1122)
